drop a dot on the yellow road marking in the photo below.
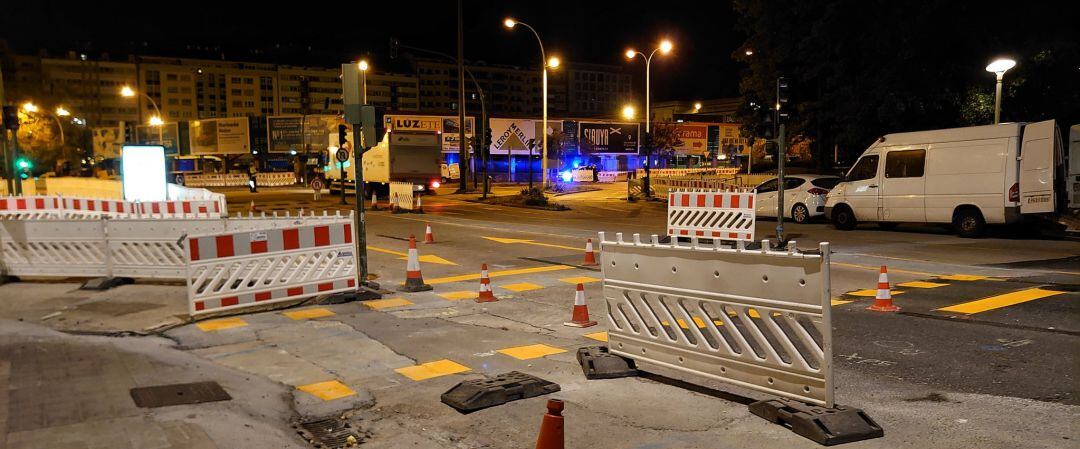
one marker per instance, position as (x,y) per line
(963,277)
(521,287)
(534,243)
(598,336)
(840,302)
(307,314)
(921,284)
(427,258)
(328,390)
(579,280)
(387,303)
(999,301)
(457,296)
(222,324)
(891,270)
(531,351)
(871,293)
(430,370)
(494,274)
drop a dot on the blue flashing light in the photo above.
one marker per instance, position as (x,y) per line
(567,176)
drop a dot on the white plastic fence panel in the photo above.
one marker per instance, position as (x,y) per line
(402,195)
(275,179)
(711,214)
(759,319)
(244,269)
(52,247)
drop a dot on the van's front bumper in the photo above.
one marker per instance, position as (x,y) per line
(828,212)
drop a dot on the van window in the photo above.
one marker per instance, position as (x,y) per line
(767,186)
(825,183)
(866,168)
(905,164)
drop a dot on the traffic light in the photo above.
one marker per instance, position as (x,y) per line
(487,136)
(342,135)
(10,118)
(394,44)
(782,94)
(23,166)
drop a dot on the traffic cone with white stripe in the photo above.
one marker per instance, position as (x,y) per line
(580,316)
(883,299)
(590,258)
(551,427)
(428,236)
(414,280)
(251,208)
(486,295)
(374,201)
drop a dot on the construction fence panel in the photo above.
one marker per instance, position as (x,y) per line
(89,187)
(53,247)
(402,195)
(611,176)
(29,187)
(712,214)
(758,319)
(244,269)
(275,179)
(673,172)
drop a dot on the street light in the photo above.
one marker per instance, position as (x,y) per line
(628,112)
(363,65)
(546,63)
(999,67)
(128,92)
(664,48)
(697,106)
(30,107)
(61,112)
(156,121)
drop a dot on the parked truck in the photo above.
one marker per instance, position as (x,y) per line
(401,156)
(967,177)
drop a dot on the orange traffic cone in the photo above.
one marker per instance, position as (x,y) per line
(590,258)
(883,299)
(374,201)
(580,316)
(414,280)
(551,428)
(428,236)
(486,294)
(252,208)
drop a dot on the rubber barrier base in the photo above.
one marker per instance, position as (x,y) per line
(597,363)
(105,283)
(472,395)
(825,426)
(5,279)
(360,294)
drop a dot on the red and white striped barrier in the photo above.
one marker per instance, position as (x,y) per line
(275,179)
(711,214)
(243,269)
(180,209)
(44,207)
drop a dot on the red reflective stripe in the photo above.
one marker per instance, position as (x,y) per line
(230,301)
(105,206)
(326,286)
(224,245)
(352,283)
(322,235)
(186,207)
(39,203)
(733,235)
(91,205)
(295,291)
(700,233)
(194,244)
(171,207)
(700,200)
(259,247)
(199,305)
(685,200)
(671,199)
(202,209)
(716,234)
(262,296)
(20,204)
(348,232)
(156,208)
(3,204)
(735,200)
(216,207)
(290,239)
(749,201)
(683,232)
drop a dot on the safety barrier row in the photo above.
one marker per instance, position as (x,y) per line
(669,172)
(402,195)
(711,214)
(275,179)
(216,180)
(77,186)
(760,319)
(611,176)
(26,207)
(29,187)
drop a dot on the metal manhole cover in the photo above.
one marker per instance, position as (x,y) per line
(330,432)
(179,394)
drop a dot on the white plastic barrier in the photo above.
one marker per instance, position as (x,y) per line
(669,172)
(235,270)
(68,207)
(611,176)
(402,195)
(712,214)
(29,187)
(86,187)
(216,180)
(583,174)
(275,179)
(60,248)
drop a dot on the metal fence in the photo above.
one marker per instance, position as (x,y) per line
(760,319)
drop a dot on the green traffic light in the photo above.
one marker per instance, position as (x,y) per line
(23,163)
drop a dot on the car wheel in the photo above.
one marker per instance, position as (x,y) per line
(844,219)
(969,223)
(800,214)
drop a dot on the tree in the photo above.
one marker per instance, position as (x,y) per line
(665,139)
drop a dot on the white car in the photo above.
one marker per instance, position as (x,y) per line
(804,196)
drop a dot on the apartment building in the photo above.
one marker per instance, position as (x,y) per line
(189,89)
(90,87)
(316,90)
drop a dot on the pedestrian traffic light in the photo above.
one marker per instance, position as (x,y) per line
(342,135)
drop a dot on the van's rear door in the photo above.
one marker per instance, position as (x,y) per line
(1038,157)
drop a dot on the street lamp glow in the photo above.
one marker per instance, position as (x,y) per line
(1000,66)
(29,107)
(60,111)
(628,112)
(749,52)
(697,106)
(509,23)
(665,46)
(156,121)
(127,91)
(363,65)
(553,62)
(630,53)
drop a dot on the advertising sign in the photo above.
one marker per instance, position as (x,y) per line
(513,136)
(295,133)
(143,168)
(608,138)
(447,125)
(107,142)
(693,138)
(731,141)
(220,136)
(167,135)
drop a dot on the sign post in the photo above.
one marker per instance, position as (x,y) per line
(355,113)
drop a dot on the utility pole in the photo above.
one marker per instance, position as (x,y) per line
(358,115)
(781,153)
(9,163)
(463,150)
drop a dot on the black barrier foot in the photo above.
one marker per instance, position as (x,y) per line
(597,363)
(5,279)
(472,395)
(825,426)
(361,294)
(105,283)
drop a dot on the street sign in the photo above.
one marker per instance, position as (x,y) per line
(342,154)
(316,185)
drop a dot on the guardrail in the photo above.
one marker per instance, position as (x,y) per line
(711,214)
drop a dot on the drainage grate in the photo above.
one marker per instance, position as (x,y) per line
(179,394)
(329,432)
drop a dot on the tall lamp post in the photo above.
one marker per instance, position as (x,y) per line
(999,67)
(664,48)
(156,120)
(363,65)
(546,63)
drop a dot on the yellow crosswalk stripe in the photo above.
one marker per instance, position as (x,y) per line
(494,274)
(307,314)
(840,302)
(580,280)
(870,293)
(328,390)
(598,336)
(457,296)
(426,258)
(521,287)
(530,351)
(963,277)
(387,303)
(222,324)
(999,301)
(921,284)
(430,370)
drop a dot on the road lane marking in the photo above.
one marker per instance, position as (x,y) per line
(840,302)
(598,336)
(429,370)
(891,270)
(999,301)
(222,324)
(530,351)
(405,256)
(307,314)
(921,284)
(521,287)
(387,303)
(475,276)
(963,277)
(328,390)
(457,296)
(579,280)
(870,293)
(532,242)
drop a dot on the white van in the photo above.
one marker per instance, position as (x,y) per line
(967,177)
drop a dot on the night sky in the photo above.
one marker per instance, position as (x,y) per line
(327,33)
